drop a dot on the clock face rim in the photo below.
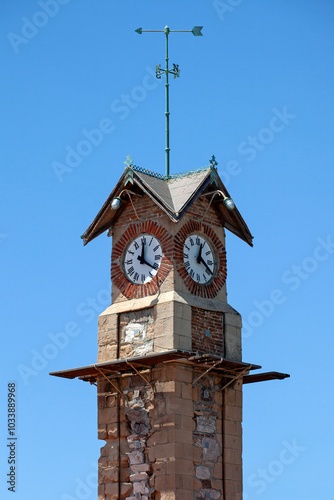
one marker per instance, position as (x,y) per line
(148,258)
(119,280)
(204,266)
(211,289)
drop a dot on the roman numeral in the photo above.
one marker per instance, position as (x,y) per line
(185,256)
(132,253)
(155,265)
(208,252)
(136,245)
(157,257)
(128,261)
(197,241)
(150,242)
(187,247)
(143,240)
(131,271)
(142,277)
(136,277)
(191,242)
(198,277)
(156,248)
(187,264)
(192,273)
(209,263)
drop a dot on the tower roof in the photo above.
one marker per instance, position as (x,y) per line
(174,195)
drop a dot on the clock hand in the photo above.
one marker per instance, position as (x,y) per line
(142,252)
(205,264)
(199,254)
(143,261)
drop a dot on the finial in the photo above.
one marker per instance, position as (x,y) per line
(128,162)
(175,71)
(213,162)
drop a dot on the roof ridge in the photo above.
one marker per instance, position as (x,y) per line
(172,176)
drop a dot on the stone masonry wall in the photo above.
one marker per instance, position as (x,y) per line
(164,438)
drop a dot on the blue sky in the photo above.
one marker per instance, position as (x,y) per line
(257,92)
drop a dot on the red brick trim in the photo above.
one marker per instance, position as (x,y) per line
(130,290)
(211,289)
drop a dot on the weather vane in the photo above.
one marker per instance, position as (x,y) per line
(175,71)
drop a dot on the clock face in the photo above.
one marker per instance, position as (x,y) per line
(142,259)
(199,259)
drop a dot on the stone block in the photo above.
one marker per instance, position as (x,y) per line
(140,467)
(107,337)
(159,437)
(126,489)
(107,416)
(202,472)
(187,423)
(107,352)
(232,343)
(214,494)
(211,449)
(164,342)
(166,421)
(233,472)
(183,343)
(102,432)
(232,442)
(160,451)
(179,406)
(179,436)
(101,492)
(110,450)
(111,490)
(238,398)
(229,397)
(218,397)
(229,427)
(182,327)
(138,476)
(233,320)
(182,310)
(159,483)
(206,424)
(181,466)
(101,401)
(186,390)
(159,467)
(164,310)
(181,373)
(233,413)
(184,494)
(107,321)
(136,457)
(169,386)
(108,474)
(141,487)
(218,471)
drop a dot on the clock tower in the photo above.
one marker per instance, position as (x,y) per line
(169,371)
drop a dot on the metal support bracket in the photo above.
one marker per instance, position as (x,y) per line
(110,382)
(140,375)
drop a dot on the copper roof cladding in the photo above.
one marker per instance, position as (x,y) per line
(174,196)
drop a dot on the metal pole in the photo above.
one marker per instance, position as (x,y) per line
(196,31)
(167,149)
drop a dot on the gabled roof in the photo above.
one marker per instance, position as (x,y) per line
(173,195)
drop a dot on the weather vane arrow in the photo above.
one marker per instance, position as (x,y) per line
(175,71)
